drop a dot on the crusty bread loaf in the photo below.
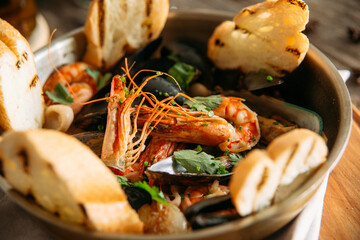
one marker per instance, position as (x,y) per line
(67,178)
(274,173)
(116,26)
(21,102)
(263,36)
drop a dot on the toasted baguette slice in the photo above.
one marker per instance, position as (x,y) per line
(66,177)
(300,150)
(21,101)
(263,36)
(115,26)
(254,182)
(267,176)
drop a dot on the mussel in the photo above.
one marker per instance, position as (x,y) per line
(211,212)
(169,172)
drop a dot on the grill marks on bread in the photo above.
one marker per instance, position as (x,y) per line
(265,36)
(67,179)
(268,176)
(114,27)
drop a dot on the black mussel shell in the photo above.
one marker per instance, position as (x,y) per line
(93,140)
(137,197)
(163,88)
(210,212)
(139,56)
(156,64)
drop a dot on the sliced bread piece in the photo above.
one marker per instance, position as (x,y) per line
(66,178)
(263,36)
(21,101)
(114,27)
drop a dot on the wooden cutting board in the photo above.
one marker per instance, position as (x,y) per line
(341,212)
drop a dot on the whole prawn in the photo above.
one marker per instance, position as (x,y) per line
(234,127)
(76,79)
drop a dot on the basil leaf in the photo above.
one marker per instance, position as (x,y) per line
(197,162)
(154,192)
(60,95)
(183,73)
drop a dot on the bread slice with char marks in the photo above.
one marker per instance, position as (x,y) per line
(114,27)
(66,178)
(21,101)
(264,36)
(268,176)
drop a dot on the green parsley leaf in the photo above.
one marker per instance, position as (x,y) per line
(205,104)
(183,73)
(235,158)
(198,148)
(154,191)
(269,78)
(123,181)
(222,170)
(103,81)
(93,73)
(197,162)
(60,95)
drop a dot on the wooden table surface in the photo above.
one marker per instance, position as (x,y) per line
(327,30)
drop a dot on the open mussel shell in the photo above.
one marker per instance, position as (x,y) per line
(93,139)
(210,212)
(268,106)
(167,171)
(256,81)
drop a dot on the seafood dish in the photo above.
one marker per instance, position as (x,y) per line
(171,135)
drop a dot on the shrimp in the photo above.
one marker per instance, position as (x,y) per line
(234,127)
(245,132)
(76,79)
(123,141)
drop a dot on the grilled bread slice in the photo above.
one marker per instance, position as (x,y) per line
(267,176)
(114,27)
(66,178)
(263,36)
(21,101)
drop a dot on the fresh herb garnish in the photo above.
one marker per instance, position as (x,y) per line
(123,181)
(205,104)
(235,158)
(100,83)
(154,192)
(198,148)
(269,78)
(197,162)
(60,95)
(93,73)
(103,80)
(183,73)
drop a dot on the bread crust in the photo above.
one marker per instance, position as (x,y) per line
(268,176)
(263,36)
(66,177)
(114,27)
(21,102)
